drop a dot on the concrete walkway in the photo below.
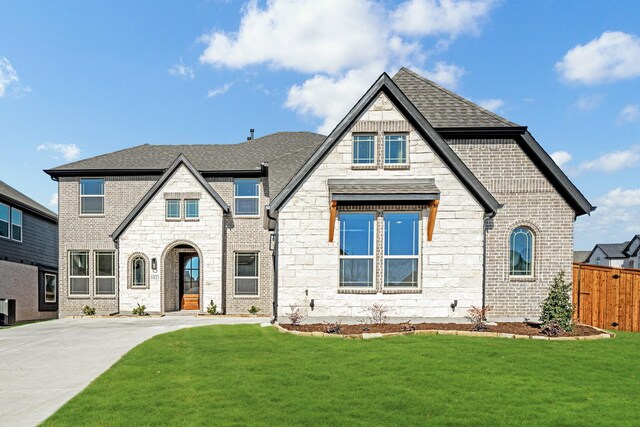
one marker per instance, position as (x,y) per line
(43,365)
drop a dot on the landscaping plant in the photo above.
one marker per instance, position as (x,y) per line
(254,310)
(333,328)
(557,306)
(377,314)
(139,310)
(295,316)
(88,311)
(212,309)
(478,317)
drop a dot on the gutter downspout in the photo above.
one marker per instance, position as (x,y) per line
(275,265)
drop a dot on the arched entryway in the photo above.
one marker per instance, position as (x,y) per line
(181,277)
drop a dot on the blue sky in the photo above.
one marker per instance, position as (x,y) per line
(79,78)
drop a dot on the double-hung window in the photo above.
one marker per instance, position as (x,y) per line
(191,209)
(395,149)
(16,224)
(246,277)
(246,197)
(173,209)
(401,249)
(357,243)
(92,196)
(79,273)
(4,220)
(364,148)
(105,273)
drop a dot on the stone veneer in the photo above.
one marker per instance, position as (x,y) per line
(530,200)
(308,264)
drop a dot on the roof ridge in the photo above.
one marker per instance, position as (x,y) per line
(455,95)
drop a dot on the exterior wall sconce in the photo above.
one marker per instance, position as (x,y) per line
(312,304)
(154,264)
(454,304)
(272,242)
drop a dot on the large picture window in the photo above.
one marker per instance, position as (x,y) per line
(92,196)
(357,243)
(521,252)
(4,220)
(79,273)
(364,149)
(246,197)
(246,274)
(105,273)
(401,249)
(395,149)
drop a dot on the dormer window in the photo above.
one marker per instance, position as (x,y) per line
(364,148)
(395,149)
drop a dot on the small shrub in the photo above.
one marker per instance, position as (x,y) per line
(552,329)
(478,317)
(88,311)
(333,328)
(295,316)
(212,308)
(407,328)
(254,310)
(139,310)
(557,306)
(377,314)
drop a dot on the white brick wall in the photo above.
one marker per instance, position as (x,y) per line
(451,263)
(151,234)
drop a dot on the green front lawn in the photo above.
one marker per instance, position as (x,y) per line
(247,375)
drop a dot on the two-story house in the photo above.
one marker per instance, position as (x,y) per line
(28,255)
(419,200)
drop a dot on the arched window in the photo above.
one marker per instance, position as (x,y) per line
(138,272)
(521,252)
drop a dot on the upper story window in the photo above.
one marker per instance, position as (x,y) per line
(364,149)
(521,252)
(92,196)
(79,273)
(395,149)
(16,224)
(246,197)
(401,249)
(173,209)
(191,209)
(357,243)
(4,220)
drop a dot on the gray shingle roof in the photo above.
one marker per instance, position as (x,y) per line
(11,194)
(613,250)
(581,256)
(443,108)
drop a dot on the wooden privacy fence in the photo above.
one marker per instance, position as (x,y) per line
(606,297)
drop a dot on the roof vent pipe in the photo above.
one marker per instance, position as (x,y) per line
(252,132)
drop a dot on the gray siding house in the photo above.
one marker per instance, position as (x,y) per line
(625,254)
(28,255)
(419,200)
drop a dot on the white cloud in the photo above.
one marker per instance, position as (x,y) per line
(8,77)
(446,17)
(182,71)
(629,113)
(447,75)
(589,102)
(612,162)
(219,91)
(69,152)
(613,56)
(53,201)
(620,197)
(561,157)
(491,104)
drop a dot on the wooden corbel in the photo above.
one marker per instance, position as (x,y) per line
(433,211)
(332,219)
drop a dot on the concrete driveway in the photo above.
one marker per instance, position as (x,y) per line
(43,365)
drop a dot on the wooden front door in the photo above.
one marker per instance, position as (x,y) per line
(189,282)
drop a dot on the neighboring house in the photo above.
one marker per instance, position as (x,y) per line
(581,256)
(419,200)
(28,255)
(625,255)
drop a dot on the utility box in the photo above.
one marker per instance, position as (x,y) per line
(7,312)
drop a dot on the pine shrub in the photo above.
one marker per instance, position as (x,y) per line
(557,306)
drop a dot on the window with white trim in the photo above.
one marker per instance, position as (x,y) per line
(357,247)
(16,224)
(246,274)
(521,252)
(395,149)
(50,286)
(4,220)
(105,273)
(138,272)
(401,249)
(246,197)
(79,273)
(172,209)
(364,149)
(191,209)
(92,196)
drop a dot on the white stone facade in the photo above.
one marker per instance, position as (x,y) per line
(151,234)
(308,264)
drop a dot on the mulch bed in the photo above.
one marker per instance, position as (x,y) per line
(516,328)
